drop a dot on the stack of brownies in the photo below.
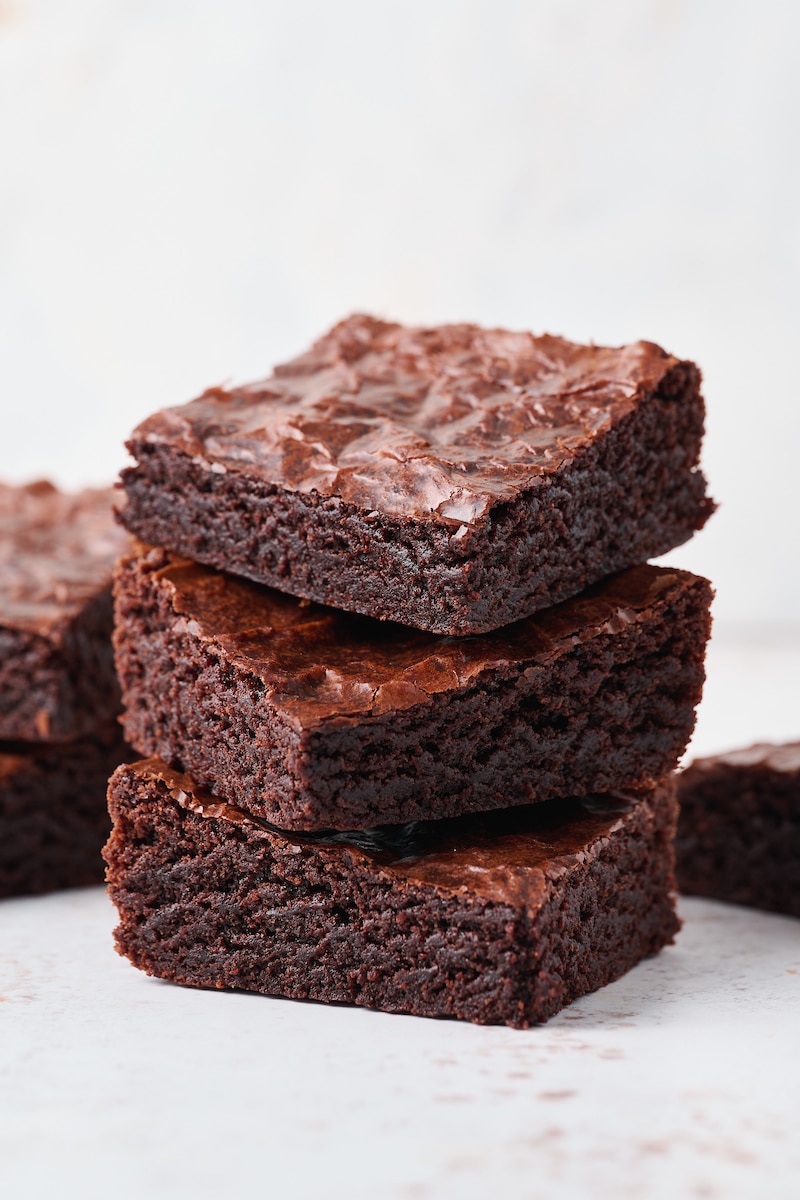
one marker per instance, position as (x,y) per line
(59,736)
(410,694)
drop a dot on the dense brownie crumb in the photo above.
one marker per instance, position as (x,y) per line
(454,479)
(500,919)
(739,829)
(53,813)
(57,552)
(312,718)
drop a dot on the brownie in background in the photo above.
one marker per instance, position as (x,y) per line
(59,698)
(739,829)
(57,553)
(53,812)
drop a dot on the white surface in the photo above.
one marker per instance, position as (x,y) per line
(191,190)
(680,1080)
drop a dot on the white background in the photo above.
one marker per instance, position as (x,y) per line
(192,190)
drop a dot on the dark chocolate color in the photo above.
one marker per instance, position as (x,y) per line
(739,829)
(454,479)
(53,813)
(502,918)
(436,424)
(313,718)
(57,552)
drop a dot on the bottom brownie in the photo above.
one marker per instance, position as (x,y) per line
(739,828)
(501,918)
(53,812)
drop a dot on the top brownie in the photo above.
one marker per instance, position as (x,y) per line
(57,552)
(454,479)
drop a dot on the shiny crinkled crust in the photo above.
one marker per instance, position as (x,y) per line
(452,479)
(439,423)
(57,551)
(319,665)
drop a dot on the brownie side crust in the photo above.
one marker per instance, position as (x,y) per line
(454,489)
(739,830)
(53,812)
(501,919)
(57,552)
(311,718)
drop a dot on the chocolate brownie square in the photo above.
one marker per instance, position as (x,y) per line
(498,919)
(455,479)
(57,552)
(739,828)
(313,718)
(53,812)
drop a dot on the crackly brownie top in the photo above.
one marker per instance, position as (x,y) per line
(320,664)
(437,423)
(771,756)
(56,552)
(507,856)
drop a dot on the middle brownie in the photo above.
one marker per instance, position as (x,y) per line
(315,719)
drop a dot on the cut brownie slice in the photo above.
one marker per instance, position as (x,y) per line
(454,479)
(739,829)
(498,919)
(53,813)
(57,552)
(313,718)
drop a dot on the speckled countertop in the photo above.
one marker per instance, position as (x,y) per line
(679,1080)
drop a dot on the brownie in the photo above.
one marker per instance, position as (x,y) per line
(53,814)
(313,718)
(739,828)
(499,919)
(57,552)
(455,479)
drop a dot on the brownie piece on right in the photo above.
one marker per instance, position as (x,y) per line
(57,552)
(454,479)
(312,718)
(53,812)
(739,829)
(501,918)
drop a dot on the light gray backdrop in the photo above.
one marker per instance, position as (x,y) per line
(191,191)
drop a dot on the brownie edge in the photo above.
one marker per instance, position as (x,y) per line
(505,920)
